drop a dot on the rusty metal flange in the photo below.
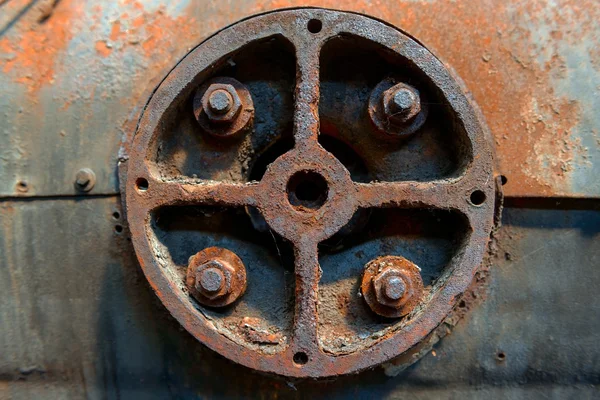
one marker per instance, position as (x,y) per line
(148,189)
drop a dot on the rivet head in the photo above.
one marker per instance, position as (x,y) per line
(85,179)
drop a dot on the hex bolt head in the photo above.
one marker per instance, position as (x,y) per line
(394,288)
(223,107)
(396,109)
(215,277)
(401,103)
(404,100)
(210,280)
(220,101)
(85,179)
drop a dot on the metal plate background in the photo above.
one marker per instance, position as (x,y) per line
(77,318)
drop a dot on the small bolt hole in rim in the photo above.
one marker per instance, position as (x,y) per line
(118,228)
(307,189)
(477,197)
(300,358)
(141,184)
(314,26)
(503,180)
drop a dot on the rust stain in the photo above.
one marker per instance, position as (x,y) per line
(115,31)
(156,33)
(492,46)
(162,39)
(161,33)
(103,48)
(38,46)
(255,331)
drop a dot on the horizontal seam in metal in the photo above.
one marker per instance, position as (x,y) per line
(58,197)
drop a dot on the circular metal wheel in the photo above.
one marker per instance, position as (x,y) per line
(306,220)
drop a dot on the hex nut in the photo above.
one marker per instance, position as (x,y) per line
(216,277)
(221,103)
(401,103)
(213,278)
(223,107)
(382,279)
(397,110)
(392,286)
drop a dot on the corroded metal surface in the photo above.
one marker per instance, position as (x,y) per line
(306,194)
(75,73)
(393,118)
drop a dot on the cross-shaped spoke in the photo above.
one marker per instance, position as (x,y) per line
(156,193)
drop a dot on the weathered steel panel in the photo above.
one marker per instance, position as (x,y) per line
(78,319)
(74,73)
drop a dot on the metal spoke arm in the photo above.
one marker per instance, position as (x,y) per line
(161,193)
(306,112)
(432,195)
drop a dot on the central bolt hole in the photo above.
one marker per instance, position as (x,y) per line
(307,189)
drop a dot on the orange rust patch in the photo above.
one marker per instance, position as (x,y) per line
(493,47)
(37,46)
(138,22)
(162,40)
(102,48)
(115,31)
